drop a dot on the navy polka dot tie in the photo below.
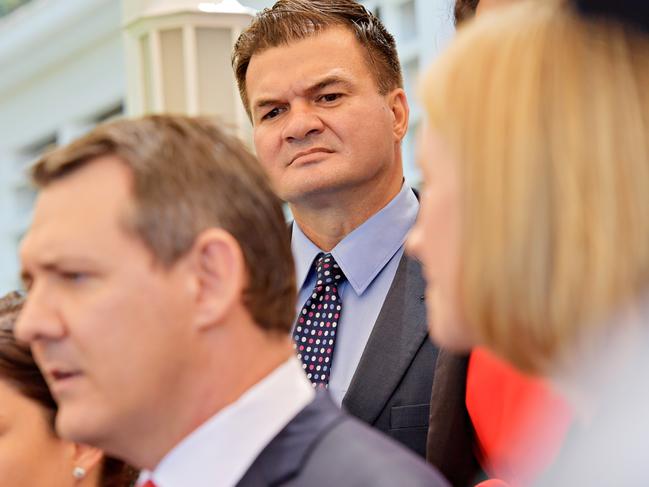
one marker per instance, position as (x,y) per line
(317,324)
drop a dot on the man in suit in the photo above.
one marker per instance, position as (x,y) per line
(322,84)
(161,292)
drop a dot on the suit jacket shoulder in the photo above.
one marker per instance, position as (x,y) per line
(322,446)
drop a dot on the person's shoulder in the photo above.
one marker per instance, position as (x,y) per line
(352,453)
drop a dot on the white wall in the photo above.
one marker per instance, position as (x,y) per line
(62,70)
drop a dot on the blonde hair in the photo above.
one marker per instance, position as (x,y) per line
(547,114)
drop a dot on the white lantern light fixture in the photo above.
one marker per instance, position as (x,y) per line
(178,58)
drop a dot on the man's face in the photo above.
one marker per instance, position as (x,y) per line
(320,124)
(107,326)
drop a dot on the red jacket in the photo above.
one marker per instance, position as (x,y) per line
(519,420)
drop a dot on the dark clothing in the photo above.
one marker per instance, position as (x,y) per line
(323,446)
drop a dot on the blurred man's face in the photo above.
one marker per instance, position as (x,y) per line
(320,124)
(107,326)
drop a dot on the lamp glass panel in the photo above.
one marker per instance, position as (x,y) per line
(147,74)
(216,88)
(173,71)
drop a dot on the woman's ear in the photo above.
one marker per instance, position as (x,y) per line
(86,461)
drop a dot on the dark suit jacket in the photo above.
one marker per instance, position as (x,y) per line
(391,387)
(392,384)
(322,446)
(451,439)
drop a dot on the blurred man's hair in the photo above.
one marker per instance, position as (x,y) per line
(291,20)
(188,175)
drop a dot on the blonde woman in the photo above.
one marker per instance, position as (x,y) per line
(536,166)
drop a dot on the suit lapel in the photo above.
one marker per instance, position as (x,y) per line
(283,458)
(398,333)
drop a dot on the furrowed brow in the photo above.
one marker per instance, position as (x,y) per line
(266,103)
(329,82)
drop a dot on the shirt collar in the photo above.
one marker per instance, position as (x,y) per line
(221,450)
(380,237)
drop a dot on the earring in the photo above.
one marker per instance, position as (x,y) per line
(79,472)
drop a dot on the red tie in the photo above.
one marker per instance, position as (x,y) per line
(148,483)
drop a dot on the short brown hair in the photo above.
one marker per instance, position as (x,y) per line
(291,20)
(19,370)
(464,9)
(189,175)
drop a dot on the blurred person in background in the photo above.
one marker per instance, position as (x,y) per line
(536,168)
(31,454)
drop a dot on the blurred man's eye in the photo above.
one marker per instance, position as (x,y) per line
(73,276)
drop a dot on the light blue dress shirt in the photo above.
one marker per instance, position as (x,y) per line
(369,257)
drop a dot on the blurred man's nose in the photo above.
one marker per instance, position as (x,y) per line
(37,319)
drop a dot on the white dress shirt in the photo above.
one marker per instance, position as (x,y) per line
(221,450)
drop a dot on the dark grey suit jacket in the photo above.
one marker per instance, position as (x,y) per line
(391,387)
(392,384)
(322,446)
(451,439)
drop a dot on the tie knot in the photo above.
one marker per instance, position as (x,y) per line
(327,270)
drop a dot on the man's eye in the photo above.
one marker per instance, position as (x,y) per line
(329,97)
(272,114)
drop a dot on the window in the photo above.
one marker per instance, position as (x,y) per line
(408,20)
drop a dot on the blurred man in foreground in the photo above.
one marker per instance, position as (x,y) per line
(161,293)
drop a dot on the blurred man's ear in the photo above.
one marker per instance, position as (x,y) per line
(221,275)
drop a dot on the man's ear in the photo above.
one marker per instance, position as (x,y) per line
(398,104)
(221,275)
